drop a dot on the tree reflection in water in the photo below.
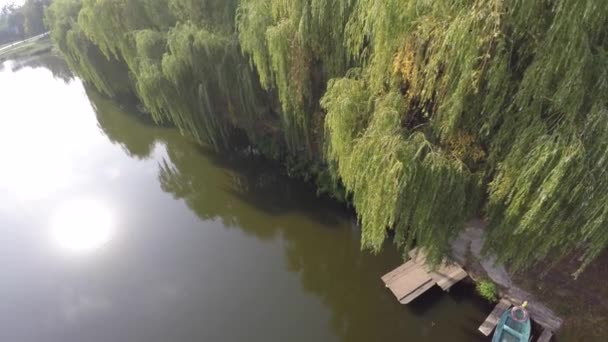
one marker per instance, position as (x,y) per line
(55,64)
(251,194)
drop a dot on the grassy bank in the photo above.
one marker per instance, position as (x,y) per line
(27,49)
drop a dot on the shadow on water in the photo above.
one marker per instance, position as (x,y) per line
(254,180)
(463,294)
(421,305)
(263,184)
(321,246)
(191,173)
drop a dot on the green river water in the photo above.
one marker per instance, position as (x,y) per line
(114,230)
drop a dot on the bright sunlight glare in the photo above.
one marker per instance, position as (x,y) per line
(14,2)
(82,226)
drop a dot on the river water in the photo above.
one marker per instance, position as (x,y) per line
(114,230)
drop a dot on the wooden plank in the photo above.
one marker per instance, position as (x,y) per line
(418,256)
(490,323)
(538,312)
(414,277)
(545,336)
(414,294)
(397,272)
(448,275)
(409,282)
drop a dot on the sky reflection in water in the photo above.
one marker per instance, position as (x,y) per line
(44,139)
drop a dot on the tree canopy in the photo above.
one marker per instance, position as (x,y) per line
(427,112)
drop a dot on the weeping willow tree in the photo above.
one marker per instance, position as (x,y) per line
(177,49)
(523,84)
(398,178)
(428,112)
(549,191)
(84,57)
(292,46)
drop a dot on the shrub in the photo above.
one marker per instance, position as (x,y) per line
(487,290)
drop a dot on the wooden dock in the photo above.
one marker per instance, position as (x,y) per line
(545,336)
(415,277)
(490,323)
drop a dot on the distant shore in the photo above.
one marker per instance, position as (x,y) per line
(27,48)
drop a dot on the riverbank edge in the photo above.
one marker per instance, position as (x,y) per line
(28,48)
(573,309)
(467,250)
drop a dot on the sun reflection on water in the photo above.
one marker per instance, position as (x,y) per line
(82,226)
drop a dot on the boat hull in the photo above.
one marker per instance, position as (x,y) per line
(510,330)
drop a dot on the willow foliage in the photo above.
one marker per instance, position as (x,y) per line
(84,57)
(176,49)
(348,103)
(558,116)
(292,45)
(429,112)
(398,178)
(525,83)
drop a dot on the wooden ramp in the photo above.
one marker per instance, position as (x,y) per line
(545,336)
(415,277)
(446,275)
(490,323)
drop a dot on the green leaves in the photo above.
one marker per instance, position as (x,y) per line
(548,196)
(180,59)
(398,180)
(423,108)
(488,290)
(295,46)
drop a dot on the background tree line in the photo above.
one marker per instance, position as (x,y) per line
(20,22)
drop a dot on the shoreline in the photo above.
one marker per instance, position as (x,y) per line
(568,307)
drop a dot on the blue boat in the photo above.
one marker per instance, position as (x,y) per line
(514,326)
